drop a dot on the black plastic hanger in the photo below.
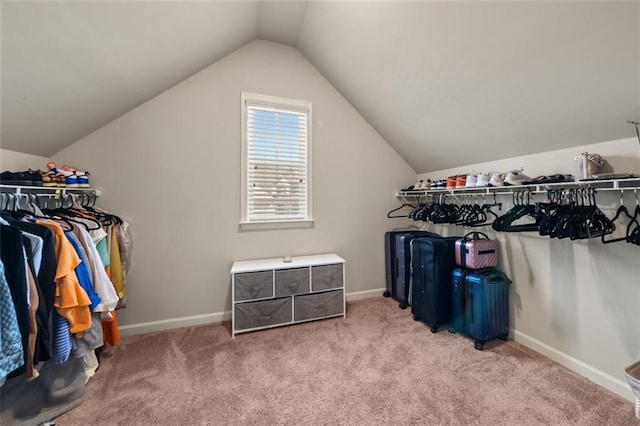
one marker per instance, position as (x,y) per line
(520,209)
(621,210)
(589,221)
(633,232)
(403,206)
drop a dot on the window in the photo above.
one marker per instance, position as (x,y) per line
(276,164)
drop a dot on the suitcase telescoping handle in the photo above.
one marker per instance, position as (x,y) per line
(475,235)
(495,276)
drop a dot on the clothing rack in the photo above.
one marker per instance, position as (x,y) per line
(599,185)
(93,246)
(569,209)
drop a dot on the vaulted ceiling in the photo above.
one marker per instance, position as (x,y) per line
(445,83)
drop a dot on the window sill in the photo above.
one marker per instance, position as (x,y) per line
(285,224)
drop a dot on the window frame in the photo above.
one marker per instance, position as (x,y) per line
(293,105)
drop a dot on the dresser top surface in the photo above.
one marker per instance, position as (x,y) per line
(279,263)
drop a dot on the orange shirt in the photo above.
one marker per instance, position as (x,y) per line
(71,300)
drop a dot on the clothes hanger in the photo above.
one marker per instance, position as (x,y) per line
(590,221)
(68,216)
(29,215)
(421,212)
(403,206)
(520,209)
(444,213)
(574,212)
(5,201)
(474,214)
(62,222)
(75,216)
(104,218)
(463,213)
(432,210)
(548,211)
(633,233)
(486,208)
(621,210)
(568,217)
(429,209)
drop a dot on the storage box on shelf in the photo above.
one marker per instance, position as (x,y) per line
(271,293)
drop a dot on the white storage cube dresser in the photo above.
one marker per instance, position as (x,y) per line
(271,293)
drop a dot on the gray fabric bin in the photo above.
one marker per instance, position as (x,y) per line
(292,281)
(318,305)
(253,285)
(262,314)
(326,276)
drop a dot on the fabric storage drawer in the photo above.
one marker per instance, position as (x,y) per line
(326,277)
(271,293)
(253,285)
(262,314)
(318,305)
(292,281)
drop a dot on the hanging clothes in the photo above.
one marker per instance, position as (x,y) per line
(58,303)
(115,263)
(71,300)
(45,275)
(101,282)
(82,273)
(11,350)
(60,288)
(12,256)
(34,302)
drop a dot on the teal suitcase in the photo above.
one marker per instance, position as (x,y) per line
(480,305)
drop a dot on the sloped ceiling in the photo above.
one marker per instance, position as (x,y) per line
(445,83)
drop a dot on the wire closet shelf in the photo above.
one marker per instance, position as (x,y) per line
(599,185)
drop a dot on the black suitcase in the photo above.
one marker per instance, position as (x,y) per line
(398,259)
(432,265)
(480,305)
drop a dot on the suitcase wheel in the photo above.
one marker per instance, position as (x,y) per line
(451,330)
(386,294)
(479,346)
(403,305)
(434,329)
(504,337)
(416,318)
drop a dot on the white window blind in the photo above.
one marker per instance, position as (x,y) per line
(277,163)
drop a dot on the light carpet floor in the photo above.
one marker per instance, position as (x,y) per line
(375,367)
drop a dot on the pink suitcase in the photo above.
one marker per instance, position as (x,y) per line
(476,251)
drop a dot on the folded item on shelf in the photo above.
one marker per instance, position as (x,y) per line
(607,176)
(557,178)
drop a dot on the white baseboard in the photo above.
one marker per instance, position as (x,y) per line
(605,380)
(214,318)
(150,327)
(367,294)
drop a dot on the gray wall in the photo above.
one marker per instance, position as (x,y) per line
(18,162)
(172,167)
